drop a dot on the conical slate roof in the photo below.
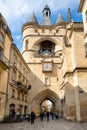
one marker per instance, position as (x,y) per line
(46,16)
(60,19)
(33,18)
(46,21)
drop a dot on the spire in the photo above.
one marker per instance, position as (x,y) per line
(46,16)
(60,19)
(33,18)
(46,8)
(69,15)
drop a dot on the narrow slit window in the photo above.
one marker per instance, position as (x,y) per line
(26,45)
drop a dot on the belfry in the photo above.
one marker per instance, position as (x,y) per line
(52,54)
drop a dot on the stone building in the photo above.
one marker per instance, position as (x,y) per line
(14,75)
(55,55)
(5,42)
(18,89)
(83,8)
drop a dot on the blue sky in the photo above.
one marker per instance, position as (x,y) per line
(18,12)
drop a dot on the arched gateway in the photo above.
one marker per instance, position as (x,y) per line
(46,95)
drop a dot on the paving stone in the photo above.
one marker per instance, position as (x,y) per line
(59,124)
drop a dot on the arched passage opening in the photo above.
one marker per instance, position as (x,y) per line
(47,105)
(44,95)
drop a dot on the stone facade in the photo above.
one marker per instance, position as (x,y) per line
(55,55)
(5,42)
(83,9)
(18,89)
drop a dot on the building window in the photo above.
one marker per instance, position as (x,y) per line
(56,31)
(50,30)
(47,81)
(1,38)
(22,97)
(15,60)
(20,66)
(35,30)
(25,98)
(19,95)
(13,93)
(47,48)
(26,44)
(43,30)
(47,14)
(86,15)
(86,50)
(14,75)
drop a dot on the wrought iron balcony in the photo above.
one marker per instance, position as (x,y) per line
(22,87)
(4,62)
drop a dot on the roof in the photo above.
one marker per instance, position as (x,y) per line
(46,21)
(60,19)
(33,18)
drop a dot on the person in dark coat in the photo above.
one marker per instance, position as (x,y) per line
(48,114)
(52,114)
(32,117)
(41,115)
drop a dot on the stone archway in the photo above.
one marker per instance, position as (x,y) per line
(47,105)
(46,94)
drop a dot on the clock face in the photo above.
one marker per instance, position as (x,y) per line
(47,67)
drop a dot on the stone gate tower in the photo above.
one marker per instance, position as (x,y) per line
(55,55)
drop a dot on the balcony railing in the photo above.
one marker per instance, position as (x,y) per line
(4,62)
(21,86)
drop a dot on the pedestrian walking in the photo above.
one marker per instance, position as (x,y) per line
(48,114)
(56,115)
(52,114)
(41,115)
(32,117)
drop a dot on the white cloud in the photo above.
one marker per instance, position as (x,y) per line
(17,8)
(18,37)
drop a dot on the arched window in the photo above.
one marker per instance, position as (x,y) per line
(46,48)
(26,44)
(11,108)
(47,81)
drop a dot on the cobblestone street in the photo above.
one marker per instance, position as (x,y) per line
(59,124)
